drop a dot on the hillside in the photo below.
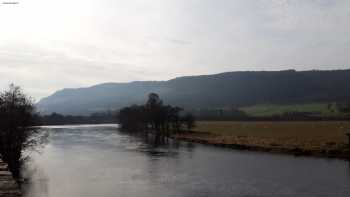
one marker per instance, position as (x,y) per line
(231,89)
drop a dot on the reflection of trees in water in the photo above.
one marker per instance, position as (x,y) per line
(152,140)
(36,143)
(167,156)
(190,146)
(169,147)
(37,140)
(34,181)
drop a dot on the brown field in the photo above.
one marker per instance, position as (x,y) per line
(327,131)
(324,138)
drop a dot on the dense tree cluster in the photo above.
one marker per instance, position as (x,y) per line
(155,117)
(16,118)
(59,119)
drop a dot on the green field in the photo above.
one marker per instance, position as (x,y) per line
(323,109)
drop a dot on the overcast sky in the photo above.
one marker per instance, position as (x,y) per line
(46,45)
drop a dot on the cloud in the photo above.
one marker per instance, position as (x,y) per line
(180,42)
(44,48)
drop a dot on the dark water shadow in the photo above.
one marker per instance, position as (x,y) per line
(36,181)
(154,148)
(36,143)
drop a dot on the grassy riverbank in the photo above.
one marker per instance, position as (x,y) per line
(300,138)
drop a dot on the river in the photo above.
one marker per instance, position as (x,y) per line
(98,160)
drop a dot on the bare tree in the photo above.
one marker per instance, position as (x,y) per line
(16,119)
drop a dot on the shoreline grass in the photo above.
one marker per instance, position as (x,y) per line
(300,138)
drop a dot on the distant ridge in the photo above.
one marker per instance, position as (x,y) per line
(230,89)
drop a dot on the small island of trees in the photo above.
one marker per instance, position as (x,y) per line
(155,118)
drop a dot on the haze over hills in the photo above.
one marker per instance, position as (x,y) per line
(231,89)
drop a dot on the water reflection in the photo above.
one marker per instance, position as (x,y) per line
(101,161)
(37,183)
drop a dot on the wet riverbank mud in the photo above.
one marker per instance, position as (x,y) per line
(8,185)
(290,146)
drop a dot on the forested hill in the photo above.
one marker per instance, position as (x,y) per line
(231,89)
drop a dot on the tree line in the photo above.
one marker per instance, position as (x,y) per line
(156,118)
(59,119)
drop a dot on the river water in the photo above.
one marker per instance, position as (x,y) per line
(100,161)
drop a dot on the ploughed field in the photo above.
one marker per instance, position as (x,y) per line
(327,138)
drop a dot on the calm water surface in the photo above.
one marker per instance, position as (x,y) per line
(91,161)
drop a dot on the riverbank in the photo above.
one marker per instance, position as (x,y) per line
(321,139)
(8,186)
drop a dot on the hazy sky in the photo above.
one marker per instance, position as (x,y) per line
(47,45)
